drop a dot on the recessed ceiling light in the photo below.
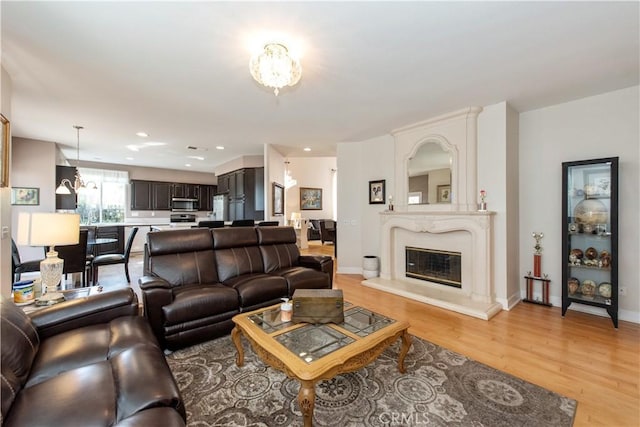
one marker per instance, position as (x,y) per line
(195,157)
(154,143)
(142,134)
(129,158)
(219,147)
(133,147)
(188,165)
(307,149)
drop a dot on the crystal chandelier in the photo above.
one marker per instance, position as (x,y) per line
(78,185)
(274,67)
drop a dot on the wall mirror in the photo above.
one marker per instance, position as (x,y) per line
(429,173)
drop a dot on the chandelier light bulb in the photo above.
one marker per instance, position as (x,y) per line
(274,67)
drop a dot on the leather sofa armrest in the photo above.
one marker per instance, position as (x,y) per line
(150,282)
(80,312)
(156,293)
(322,263)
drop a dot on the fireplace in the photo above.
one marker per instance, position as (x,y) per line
(431,265)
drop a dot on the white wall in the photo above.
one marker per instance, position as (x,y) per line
(358,221)
(606,125)
(497,175)
(312,172)
(273,172)
(33,165)
(6,276)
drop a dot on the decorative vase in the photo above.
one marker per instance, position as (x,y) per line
(482,206)
(370,266)
(592,212)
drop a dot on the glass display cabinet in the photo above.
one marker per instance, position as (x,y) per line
(590,234)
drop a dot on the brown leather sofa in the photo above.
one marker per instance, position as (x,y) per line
(85,362)
(196,280)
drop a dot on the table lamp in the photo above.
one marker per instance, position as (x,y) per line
(295,219)
(49,229)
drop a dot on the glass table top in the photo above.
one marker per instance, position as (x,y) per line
(311,342)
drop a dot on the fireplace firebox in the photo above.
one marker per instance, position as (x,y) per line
(443,267)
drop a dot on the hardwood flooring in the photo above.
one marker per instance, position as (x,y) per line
(580,356)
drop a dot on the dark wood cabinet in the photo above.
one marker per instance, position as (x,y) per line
(205,197)
(141,196)
(590,235)
(66,201)
(157,195)
(223,184)
(161,196)
(245,191)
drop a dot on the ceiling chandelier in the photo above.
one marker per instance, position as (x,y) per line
(274,67)
(78,185)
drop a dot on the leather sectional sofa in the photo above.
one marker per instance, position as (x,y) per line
(196,280)
(90,361)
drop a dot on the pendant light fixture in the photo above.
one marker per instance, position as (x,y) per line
(78,185)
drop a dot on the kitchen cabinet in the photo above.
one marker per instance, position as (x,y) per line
(161,196)
(590,235)
(205,200)
(141,197)
(186,191)
(223,184)
(245,192)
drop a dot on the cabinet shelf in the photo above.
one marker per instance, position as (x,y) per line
(590,202)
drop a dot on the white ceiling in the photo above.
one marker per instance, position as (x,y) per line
(179,71)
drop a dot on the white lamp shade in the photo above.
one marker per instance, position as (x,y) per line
(48,229)
(295,216)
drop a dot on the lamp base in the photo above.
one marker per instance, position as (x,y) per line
(50,298)
(51,272)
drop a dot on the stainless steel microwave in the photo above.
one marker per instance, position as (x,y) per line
(181,204)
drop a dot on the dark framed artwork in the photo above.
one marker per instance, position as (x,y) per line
(444,194)
(377,192)
(25,196)
(277,194)
(4,152)
(310,199)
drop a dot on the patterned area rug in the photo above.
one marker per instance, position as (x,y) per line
(440,388)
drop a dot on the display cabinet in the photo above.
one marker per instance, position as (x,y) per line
(590,234)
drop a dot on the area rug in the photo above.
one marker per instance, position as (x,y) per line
(440,388)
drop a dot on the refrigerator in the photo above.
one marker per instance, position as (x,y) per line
(220,208)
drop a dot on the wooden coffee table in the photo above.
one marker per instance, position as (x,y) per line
(310,353)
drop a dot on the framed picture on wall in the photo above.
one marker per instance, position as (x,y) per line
(377,192)
(278,198)
(444,194)
(25,196)
(310,199)
(4,153)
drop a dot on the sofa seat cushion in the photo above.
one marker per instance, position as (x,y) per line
(304,278)
(256,289)
(99,394)
(198,302)
(87,345)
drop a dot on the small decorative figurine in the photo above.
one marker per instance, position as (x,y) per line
(483,204)
(390,203)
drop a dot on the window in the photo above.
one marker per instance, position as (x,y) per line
(107,203)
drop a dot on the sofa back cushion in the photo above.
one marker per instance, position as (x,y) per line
(20,344)
(236,252)
(278,248)
(182,257)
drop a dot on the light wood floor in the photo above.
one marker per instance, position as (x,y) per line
(580,356)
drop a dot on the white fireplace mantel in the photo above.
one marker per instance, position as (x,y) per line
(476,297)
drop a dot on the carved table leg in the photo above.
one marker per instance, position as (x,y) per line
(235,336)
(406,345)
(307,400)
